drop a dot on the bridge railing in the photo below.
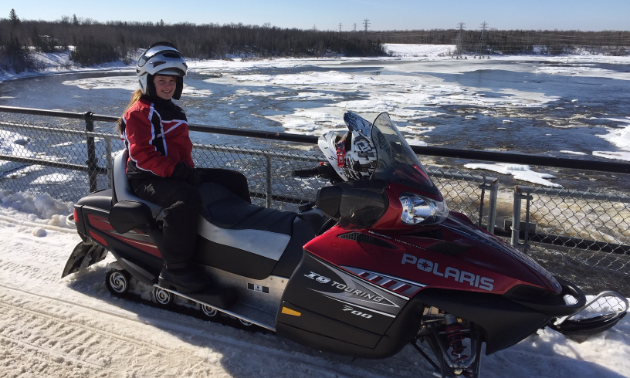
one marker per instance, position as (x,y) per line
(570,231)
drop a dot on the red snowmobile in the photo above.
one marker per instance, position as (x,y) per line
(377,263)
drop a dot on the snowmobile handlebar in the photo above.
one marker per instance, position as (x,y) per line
(310,172)
(323,170)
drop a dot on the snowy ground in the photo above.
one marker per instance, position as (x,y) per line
(73,327)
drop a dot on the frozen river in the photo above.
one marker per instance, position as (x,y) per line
(565,107)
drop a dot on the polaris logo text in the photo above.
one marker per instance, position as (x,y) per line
(462,276)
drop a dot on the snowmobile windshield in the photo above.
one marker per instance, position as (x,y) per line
(396,160)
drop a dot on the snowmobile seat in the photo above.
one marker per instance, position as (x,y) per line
(246,239)
(122,189)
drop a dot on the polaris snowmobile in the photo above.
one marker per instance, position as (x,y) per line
(379,261)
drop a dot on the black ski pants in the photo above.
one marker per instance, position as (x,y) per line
(182,203)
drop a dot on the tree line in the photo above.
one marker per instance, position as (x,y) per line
(492,41)
(93,43)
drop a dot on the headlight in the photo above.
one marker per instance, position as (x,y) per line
(417,209)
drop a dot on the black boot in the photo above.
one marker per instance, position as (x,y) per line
(185,280)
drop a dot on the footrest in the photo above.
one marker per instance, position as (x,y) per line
(222,299)
(215,297)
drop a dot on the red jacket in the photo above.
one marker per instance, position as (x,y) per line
(156,135)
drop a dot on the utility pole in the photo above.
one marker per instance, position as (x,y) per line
(366,23)
(459,43)
(355,27)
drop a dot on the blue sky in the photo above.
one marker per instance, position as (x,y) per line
(328,14)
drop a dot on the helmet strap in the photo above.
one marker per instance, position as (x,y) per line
(179,87)
(151,91)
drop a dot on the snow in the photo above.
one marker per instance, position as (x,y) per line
(421,51)
(520,172)
(619,137)
(60,63)
(572,152)
(73,327)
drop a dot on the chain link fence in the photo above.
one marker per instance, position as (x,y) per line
(582,236)
(58,161)
(470,194)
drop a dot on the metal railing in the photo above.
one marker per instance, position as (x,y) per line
(464,203)
(569,231)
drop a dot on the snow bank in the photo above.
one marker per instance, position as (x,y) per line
(520,172)
(418,51)
(36,211)
(13,144)
(619,137)
(59,62)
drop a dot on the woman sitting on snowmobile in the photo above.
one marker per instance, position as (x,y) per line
(160,168)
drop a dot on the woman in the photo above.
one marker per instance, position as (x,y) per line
(160,168)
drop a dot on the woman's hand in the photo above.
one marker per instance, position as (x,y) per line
(185,173)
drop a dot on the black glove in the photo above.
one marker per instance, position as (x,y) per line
(326,171)
(186,173)
(194,178)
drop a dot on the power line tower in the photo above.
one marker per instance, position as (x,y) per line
(355,27)
(459,44)
(366,23)
(482,40)
(340,25)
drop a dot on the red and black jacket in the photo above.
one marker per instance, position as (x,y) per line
(155,133)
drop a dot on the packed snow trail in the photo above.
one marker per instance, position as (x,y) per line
(56,338)
(73,327)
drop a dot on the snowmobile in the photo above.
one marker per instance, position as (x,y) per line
(376,263)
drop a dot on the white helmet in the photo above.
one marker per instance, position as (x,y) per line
(353,155)
(161,58)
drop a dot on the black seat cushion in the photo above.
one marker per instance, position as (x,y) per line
(225,209)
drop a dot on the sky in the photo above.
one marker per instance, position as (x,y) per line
(585,15)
